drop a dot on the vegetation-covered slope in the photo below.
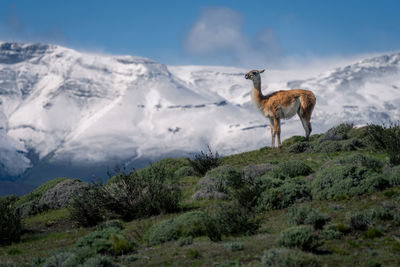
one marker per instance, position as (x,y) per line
(333,201)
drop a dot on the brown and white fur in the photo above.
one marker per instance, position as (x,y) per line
(282,105)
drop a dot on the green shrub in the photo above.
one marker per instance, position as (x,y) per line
(386,138)
(60,259)
(226,176)
(193,254)
(82,258)
(393,175)
(99,261)
(373,233)
(217,183)
(342,228)
(185,171)
(204,162)
(107,241)
(234,246)
(291,168)
(284,257)
(369,162)
(188,224)
(10,223)
(111,224)
(300,147)
(339,132)
(317,219)
(300,237)
(88,207)
(351,144)
(9,199)
(290,192)
(230,219)
(293,140)
(297,214)
(168,167)
(130,196)
(162,232)
(307,215)
(329,234)
(184,241)
(328,146)
(361,220)
(336,182)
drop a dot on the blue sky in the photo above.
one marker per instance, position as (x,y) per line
(240,33)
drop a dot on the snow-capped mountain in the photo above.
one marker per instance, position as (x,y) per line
(69,113)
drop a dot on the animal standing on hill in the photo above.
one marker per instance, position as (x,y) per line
(282,104)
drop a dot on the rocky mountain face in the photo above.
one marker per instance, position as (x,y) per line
(75,114)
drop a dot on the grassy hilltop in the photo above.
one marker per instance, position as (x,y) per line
(333,201)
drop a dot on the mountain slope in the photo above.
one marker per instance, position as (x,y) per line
(69,113)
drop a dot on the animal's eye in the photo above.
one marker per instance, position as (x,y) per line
(254,73)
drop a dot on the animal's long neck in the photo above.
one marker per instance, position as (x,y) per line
(258,96)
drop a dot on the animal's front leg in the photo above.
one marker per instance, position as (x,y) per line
(272,126)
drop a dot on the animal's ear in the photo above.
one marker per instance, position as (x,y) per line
(261,71)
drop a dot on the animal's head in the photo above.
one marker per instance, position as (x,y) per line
(253,75)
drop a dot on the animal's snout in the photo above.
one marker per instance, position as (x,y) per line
(247,76)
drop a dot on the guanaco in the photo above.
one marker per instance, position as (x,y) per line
(282,104)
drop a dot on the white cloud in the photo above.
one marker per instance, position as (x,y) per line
(218,33)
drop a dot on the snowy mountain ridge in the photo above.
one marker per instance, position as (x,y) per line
(69,113)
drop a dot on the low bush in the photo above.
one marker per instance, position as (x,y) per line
(185,171)
(291,168)
(82,258)
(218,182)
(361,220)
(300,147)
(249,193)
(255,171)
(346,180)
(109,241)
(284,195)
(317,219)
(285,257)
(351,144)
(328,146)
(339,132)
(205,161)
(111,224)
(168,166)
(142,194)
(193,254)
(300,237)
(234,246)
(329,234)
(342,228)
(185,241)
(373,233)
(230,219)
(88,208)
(130,196)
(386,138)
(393,175)
(191,224)
(366,161)
(10,223)
(307,215)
